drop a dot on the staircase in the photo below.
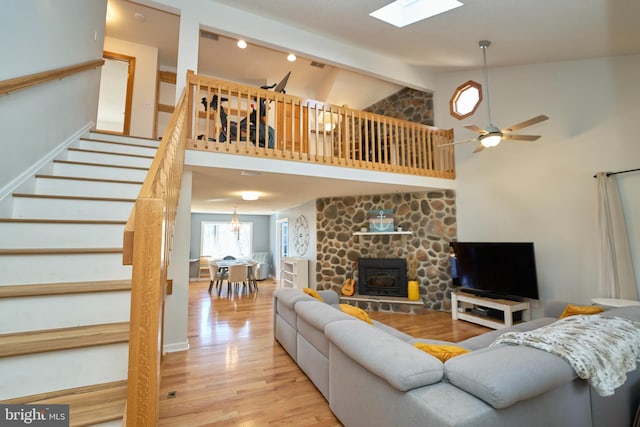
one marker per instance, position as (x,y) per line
(64,293)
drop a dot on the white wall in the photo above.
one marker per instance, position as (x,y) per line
(41,35)
(309,211)
(544,191)
(144,83)
(176,314)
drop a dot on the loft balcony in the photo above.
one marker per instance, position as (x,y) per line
(225,117)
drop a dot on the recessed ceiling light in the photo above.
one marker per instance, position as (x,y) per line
(241,44)
(139,17)
(218,200)
(250,195)
(249,173)
(291,57)
(404,12)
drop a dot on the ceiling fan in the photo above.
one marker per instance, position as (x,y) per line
(491,136)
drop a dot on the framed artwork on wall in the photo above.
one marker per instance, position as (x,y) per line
(381,220)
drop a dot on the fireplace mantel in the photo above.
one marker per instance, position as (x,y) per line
(374,233)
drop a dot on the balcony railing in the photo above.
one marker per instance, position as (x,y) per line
(226,118)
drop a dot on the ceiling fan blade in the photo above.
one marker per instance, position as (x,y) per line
(457,142)
(521,137)
(478,149)
(532,121)
(476,129)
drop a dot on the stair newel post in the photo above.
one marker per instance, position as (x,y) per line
(147,296)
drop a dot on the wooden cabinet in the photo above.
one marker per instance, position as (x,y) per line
(294,272)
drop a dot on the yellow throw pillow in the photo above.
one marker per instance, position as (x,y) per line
(443,352)
(312,293)
(356,312)
(572,310)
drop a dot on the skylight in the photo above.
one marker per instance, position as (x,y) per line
(404,12)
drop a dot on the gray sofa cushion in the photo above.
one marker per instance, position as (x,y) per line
(392,331)
(330,297)
(400,364)
(503,375)
(286,299)
(629,312)
(484,340)
(313,316)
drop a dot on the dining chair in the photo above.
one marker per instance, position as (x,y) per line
(217,276)
(204,262)
(237,277)
(251,274)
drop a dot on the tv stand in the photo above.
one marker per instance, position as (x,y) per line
(507,307)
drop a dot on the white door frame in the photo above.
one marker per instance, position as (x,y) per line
(280,245)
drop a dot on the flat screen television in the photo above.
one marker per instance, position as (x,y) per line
(495,269)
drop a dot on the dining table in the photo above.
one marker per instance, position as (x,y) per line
(224,264)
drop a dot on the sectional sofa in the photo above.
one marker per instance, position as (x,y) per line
(373,375)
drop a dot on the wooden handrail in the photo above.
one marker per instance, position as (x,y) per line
(147,245)
(313,132)
(18,83)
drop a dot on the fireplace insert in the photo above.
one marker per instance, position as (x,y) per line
(382,276)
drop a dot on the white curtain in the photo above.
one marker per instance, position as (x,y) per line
(616,269)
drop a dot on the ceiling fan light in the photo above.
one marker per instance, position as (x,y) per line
(491,139)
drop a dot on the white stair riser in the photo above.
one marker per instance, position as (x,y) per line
(108,159)
(63,311)
(59,370)
(117,148)
(54,268)
(127,139)
(69,187)
(100,172)
(28,207)
(60,235)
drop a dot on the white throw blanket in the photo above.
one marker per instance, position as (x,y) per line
(600,349)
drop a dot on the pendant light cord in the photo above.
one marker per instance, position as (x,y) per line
(484,44)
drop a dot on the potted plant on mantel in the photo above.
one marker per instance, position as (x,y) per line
(413,289)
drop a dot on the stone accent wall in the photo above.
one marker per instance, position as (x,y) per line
(406,104)
(430,216)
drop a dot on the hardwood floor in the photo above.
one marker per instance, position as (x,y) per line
(236,374)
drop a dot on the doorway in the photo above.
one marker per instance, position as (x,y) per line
(116,92)
(282,244)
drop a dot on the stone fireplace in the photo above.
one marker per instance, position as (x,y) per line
(382,276)
(430,219)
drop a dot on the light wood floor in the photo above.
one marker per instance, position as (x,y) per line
(236,374)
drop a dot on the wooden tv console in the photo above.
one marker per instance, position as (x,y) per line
(508,307)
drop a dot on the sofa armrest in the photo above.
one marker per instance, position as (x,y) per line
(503,375)
(400,364)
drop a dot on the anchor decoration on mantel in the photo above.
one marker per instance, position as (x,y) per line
(381,220)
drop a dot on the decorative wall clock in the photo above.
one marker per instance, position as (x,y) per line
(301,236)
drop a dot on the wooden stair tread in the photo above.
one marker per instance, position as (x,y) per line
(104,165)
(106,411)
(61,221)
(98,133)
(59,251)
(79,178)
(109,153)
(88,405)
(45,289)
(58,197)
(63,339)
